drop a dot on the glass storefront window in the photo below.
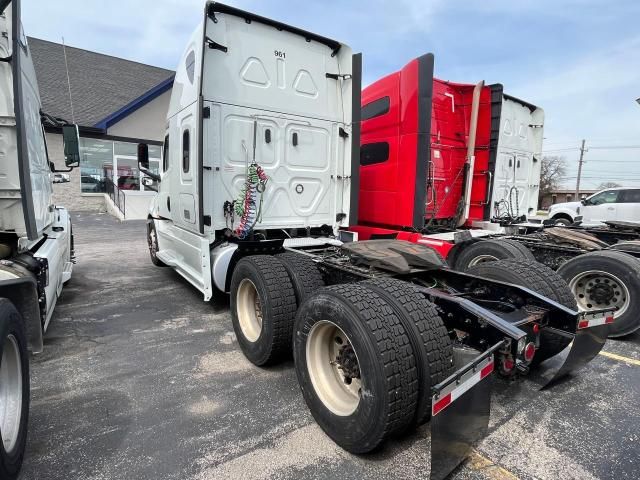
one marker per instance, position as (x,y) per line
(96,164)
(104,162)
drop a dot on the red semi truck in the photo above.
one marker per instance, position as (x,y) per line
(457,167)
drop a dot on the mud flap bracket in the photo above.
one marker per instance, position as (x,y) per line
(460,410)
(591,334)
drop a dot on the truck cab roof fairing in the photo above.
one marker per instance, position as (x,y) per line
(213,7)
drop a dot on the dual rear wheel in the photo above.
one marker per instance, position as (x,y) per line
(599,279)
(366,354)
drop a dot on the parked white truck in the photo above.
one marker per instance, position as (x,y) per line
(36,249)
(258,182)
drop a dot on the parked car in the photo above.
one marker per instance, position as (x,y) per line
(564,213)
(622,204)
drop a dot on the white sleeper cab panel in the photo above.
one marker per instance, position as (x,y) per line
(35,190)
(276,81)
(302,186)
(269,69)
(517,171)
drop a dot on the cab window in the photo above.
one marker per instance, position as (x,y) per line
(610,196)
(630,196)
(165,154)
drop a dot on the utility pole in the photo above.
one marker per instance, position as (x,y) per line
(580,162)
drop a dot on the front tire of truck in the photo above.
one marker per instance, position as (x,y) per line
(541,279)
(607,278)
(263,309)
(355,366)
(562,220)
(152,241)
(14,390)
(429,337)
(491,251)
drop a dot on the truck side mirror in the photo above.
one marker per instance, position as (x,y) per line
(143,161)
(143,156)
(71,140)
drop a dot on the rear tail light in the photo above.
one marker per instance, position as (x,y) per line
(529,351)
(507,364)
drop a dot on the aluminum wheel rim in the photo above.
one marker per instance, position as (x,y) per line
(582,286)
(338,392)
(10,393)
(482,259)
(249,310)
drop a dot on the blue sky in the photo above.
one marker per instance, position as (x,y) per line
(579,60)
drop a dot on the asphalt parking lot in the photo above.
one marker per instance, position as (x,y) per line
(141,379)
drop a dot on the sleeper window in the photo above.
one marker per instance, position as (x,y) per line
(165,154)
(376,108)
(185,151)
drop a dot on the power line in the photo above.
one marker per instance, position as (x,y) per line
(617,147)
(561,150)
(602,147)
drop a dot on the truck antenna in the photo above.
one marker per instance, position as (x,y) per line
(66,66)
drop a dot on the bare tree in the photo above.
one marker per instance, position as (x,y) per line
(552,171)
(604,185)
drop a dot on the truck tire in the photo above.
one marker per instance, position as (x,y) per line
(14,390)
(491,251)
(630,246)
(562,221)
(303,273)
(607,278)
(152,242)
(263,309)
(541,279)
(355,366)
(429,338)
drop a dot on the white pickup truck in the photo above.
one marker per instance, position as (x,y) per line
(621,203)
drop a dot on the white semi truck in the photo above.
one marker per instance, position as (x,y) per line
(36,247)
(258,186)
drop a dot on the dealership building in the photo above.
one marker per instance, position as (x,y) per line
(117,104)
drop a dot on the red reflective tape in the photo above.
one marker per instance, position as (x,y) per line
(594,322)
(486,370)
(441,404)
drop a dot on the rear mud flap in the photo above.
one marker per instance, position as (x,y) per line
(591,335)
(460,410)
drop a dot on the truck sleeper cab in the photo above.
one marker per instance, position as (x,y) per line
(425,193)
(415,138)
(259,180)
